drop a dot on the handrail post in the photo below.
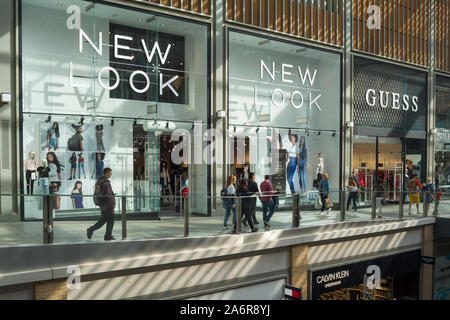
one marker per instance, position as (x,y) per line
(47,220)
(186,215)
(238,214)
(124,217)
(295,210)
(401,204)
(374,205)
(342,218)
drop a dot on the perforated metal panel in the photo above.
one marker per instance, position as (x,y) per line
(389,79)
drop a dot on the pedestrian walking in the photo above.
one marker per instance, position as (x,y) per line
(324,191)
(267,201)
(243,193)
(104,197)
(253,190)
(229,200)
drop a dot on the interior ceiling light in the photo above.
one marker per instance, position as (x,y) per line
(59,4)
(140,20)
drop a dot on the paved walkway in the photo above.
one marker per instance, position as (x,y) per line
(30,232)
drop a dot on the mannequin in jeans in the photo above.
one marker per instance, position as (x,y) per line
(44,183)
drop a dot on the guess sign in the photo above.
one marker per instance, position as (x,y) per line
(393,100)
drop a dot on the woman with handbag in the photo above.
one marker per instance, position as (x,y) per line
(353,193)
(324,190)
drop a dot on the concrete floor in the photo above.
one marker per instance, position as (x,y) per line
(31,232)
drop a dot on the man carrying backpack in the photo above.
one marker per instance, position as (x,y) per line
(104,197)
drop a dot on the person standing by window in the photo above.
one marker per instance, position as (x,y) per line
(302,164)
(99,135)
(428,188)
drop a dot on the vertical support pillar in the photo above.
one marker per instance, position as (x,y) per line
(238,214)
(124,218)
(299,269)
(47,220)
(431,93)
(295,210)
(218,86)
(186,215)
(347,107)
(427,276)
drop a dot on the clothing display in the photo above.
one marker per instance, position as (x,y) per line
(31,167)
(302,168)
(320,165)
(44,182)
(99,135)
(81,166)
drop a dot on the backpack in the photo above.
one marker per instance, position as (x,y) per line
(73,144)
(98,199)
(223,194)
(412,185)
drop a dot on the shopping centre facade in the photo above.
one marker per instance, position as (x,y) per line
(327,79)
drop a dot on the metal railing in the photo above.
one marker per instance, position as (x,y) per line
(294,211)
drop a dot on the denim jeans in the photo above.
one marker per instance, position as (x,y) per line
(81,166)
(44,186)
(292,166)
(302,176)
(228,208)
(268,205)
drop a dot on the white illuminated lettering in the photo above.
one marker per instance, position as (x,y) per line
(117,46)
(71,82)
(116,84)
(297,106)
(263,66)
(371,97)
(384,105)
(307,74)
(405,103)
(82,35)
(162,85)
(311,102)
(282,97)
(156,48)
(285,73)
(415,101)
(147,81)
(395,101)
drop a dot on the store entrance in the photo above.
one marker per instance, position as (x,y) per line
(388,161)
(158,182)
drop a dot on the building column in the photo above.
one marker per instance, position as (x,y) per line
(347,108)
(431,110)
(427,275)
(218,93)
(299,269)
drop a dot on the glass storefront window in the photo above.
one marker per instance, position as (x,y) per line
(287,98)
(442,137)
(117,83)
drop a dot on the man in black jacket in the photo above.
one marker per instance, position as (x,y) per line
(107,206)
(252,190)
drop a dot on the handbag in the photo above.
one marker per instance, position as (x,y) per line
(328,203)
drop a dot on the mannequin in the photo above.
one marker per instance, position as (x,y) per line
(31,167)
(320,164)
(44,182)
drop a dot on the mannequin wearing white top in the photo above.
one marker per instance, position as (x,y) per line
(31,167)
(320,164)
